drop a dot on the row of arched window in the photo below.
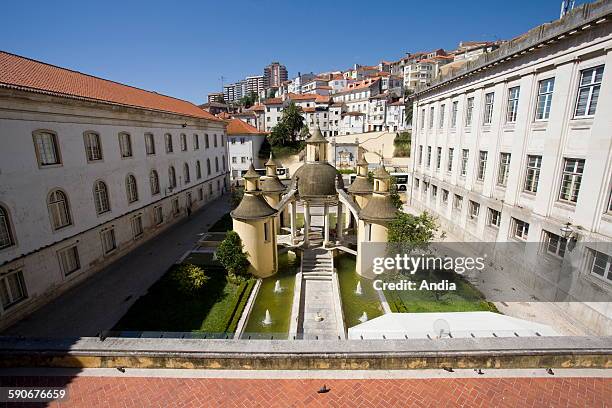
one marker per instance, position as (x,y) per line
(59,207)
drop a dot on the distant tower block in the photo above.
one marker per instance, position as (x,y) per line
(254,221)
(272,190)
(375,217)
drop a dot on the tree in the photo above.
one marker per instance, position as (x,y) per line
(279,135)
(401,144)
(408,100)
(413,230)
(237,194)
(293,120)
(394,194)
(230,253)
(248,100)
(189,278)
(264,149)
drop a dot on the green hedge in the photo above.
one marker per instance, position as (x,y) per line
(244,290)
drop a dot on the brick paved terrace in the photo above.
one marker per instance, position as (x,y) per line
(123,390)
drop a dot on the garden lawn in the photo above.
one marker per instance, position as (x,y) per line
(465,299)
(165,308)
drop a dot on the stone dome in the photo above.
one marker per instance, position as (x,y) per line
(317,180)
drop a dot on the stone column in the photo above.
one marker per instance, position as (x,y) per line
(306,223)
(325,224)
(339,222)
(292,206)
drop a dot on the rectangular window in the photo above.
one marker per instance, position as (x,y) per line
(12,289)
(423,118)
(454,109)
(474,209)
(46,148)
(108,240)
(444,196)
(504,169)
(196,142)
(488,108)
(532,174)
(434,191)
(175,207)
(428,156)
(494,218)
(200,194)
(183,142)
(465,155)
(69,260)
(545,94)
(420,154)
(266,226)
(149,143)
(520,229)
(158,215)
(469,110)
(457,202)
(513,99)
(554,244)
(571,179)
(482,165)
(601,266)
(588,92)
(438,158)
(206,141)
(431,117)
(93,148)
(417,183)
(449,163)
(137,229)
(125,145)
(234,159)
(168,139)
(442,110)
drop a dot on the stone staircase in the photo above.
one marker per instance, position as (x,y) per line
(317,265)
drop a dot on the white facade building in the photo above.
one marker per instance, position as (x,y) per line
(89,170)
(244,142)
(519,144)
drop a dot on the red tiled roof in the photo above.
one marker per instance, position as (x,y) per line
(238,127)
(30,75)
(224,115)
(273,101)
(301,97)
(258,108)
(309,109)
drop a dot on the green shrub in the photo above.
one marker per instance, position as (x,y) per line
(189,278)
(232,256)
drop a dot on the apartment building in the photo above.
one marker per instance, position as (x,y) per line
(89,170)
(274,75)
(244,142)
(516,147)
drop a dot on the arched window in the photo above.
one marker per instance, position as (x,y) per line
(59,209)
(196,142)
(186,173)
(216,164)
(93,148)
(198,170)
(154,180)
(125,144)
(171,177)
(131,188)
(6,235)
(183,142)
(101,200)
(208,166)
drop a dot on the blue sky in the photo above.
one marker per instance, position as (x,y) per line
(183,48)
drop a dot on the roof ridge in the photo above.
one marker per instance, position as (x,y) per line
(93,76)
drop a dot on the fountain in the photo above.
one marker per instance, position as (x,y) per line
(358,290)
(277,287)
(364,317)
(268,320)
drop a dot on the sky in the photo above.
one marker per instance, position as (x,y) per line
(183,48)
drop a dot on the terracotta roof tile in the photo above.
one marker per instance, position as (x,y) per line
(238,127)
(273,101)
(30,75)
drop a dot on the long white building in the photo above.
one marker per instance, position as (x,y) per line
(517,144)
(90,169)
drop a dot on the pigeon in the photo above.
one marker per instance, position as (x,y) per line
(550,371)
(121,369)
(323,389)
(479,371)
(449,369)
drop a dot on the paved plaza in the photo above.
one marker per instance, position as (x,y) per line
(283,389)
(101,300)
